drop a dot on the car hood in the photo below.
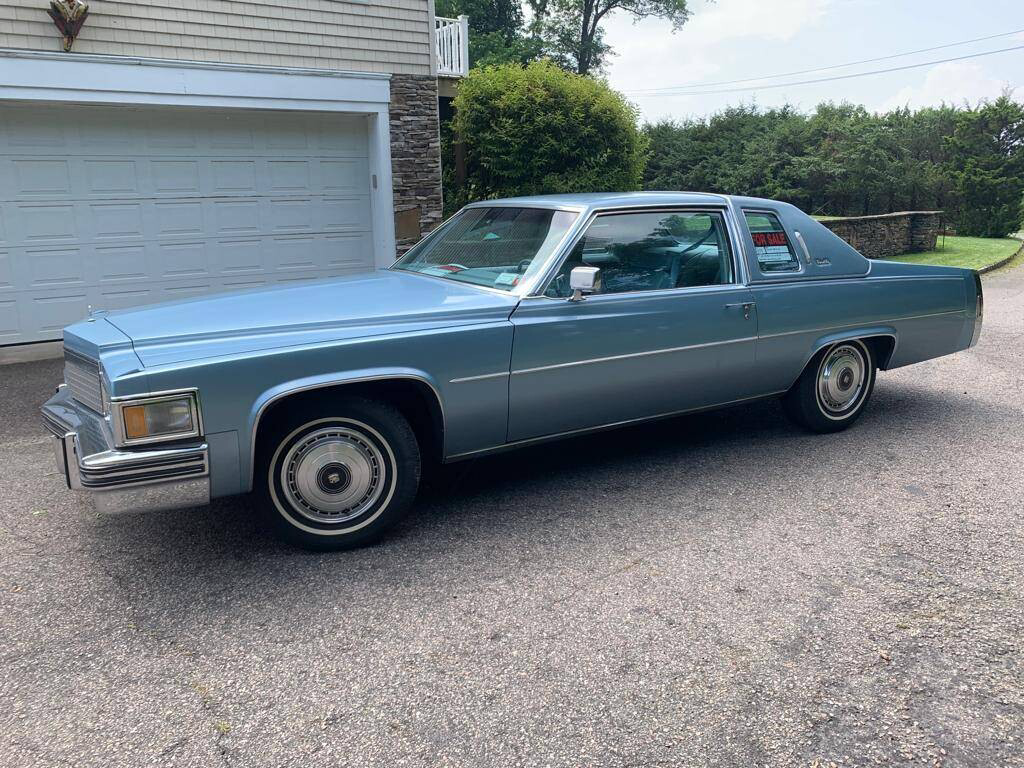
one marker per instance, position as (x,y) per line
(383,302)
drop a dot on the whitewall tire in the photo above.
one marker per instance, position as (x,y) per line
(834,388)
(337,481)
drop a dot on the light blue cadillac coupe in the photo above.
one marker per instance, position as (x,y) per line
(516,321)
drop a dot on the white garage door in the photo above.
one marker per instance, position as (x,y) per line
(120,206)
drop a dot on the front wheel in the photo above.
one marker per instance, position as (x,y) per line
(340,479)
(834,388)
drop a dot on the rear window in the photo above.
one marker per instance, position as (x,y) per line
(771,244)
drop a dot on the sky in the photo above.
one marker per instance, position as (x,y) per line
(730,40)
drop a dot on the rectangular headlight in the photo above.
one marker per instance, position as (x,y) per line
(159,418)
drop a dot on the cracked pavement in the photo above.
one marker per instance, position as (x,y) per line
(713,590)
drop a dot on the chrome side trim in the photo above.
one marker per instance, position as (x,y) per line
(325,385)
(866,323)
(500,374)
(632,354)
(803,246)
(605,427)
(795,279)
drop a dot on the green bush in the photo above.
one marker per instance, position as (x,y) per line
(845,161)
(541,130)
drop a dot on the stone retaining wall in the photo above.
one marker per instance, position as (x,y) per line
(889,234)
(415,158)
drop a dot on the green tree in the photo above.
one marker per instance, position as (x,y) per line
(987,167)
(538,129)
(572,33)
(497,33)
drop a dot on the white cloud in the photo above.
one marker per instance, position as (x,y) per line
(954,82)
(650,55)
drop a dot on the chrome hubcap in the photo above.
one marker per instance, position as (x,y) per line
(841,378)
(333,475)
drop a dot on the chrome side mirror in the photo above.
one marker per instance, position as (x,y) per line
(583,280)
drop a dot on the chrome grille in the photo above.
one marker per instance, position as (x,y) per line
(83,379)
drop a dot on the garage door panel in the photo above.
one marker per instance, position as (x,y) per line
(341,176)
(121,264)
(55,267)
(36,177)
(119,206)
(344,252)
(28,129)
(234,177)
(342,134)
(6,271)
(293,254)
(116,221)
(236,217)
(178,218)
(46,313)
(241,257)
(124,298)
(109,176)
(289,215)
(174,130)
(241,284)
(11,327)
(288,176)
(175,290)
(349,213)
(93,134)
(179,260)
(179,178)
(46,224)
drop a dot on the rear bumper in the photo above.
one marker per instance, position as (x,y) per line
(159,478)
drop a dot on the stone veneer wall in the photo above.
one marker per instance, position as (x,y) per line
(889,234)
(415,158)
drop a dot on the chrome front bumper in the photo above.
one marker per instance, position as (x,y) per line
(135,480)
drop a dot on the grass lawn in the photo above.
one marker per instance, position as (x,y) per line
(972,252)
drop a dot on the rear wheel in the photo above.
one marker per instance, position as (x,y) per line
(834,388)
(340,479)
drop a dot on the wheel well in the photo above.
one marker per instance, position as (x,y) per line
(882,347)
(416,401)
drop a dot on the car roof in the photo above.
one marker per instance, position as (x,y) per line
(591,200)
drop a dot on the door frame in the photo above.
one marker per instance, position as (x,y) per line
(32,76)
(741,274)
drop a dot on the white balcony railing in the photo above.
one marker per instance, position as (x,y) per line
(451,44)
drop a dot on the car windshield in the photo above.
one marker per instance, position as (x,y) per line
(497,247)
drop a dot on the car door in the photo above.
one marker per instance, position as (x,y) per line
(670,329)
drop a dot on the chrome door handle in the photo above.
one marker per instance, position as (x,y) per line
(747,306)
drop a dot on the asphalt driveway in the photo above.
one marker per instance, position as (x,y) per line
(715,590)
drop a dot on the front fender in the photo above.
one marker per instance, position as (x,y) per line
(321,381)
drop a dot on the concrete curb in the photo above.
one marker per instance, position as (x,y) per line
(1003,262)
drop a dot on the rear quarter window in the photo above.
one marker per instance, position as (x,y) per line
(771,243)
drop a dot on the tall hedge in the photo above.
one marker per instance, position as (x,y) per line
(541,130)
